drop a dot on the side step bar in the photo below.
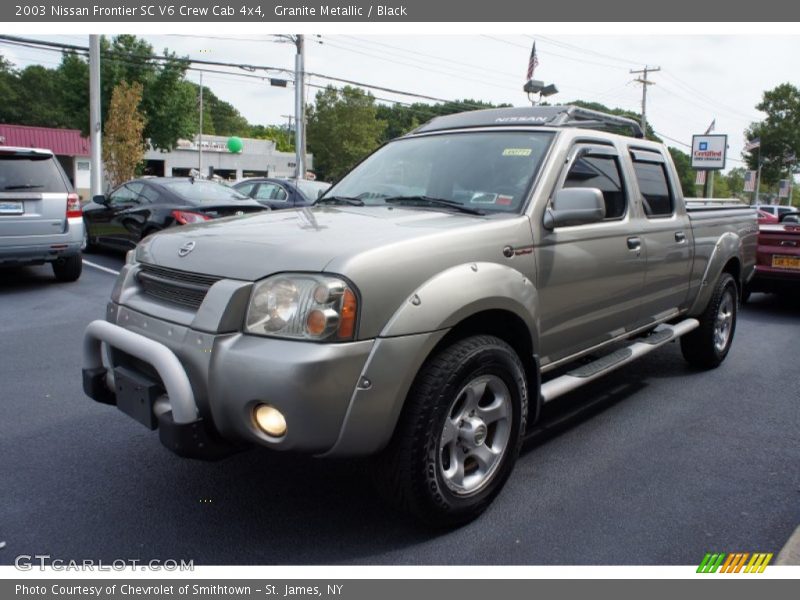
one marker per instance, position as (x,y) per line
(638,348)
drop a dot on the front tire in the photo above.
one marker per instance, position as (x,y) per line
(459,434)
(708,345)
(87,245)
(69,268)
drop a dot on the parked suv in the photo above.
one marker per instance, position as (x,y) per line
(40,213)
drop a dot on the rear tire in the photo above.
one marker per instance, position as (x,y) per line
(459,435)
(708,345)
(69,268)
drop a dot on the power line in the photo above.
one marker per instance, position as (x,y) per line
(549,53)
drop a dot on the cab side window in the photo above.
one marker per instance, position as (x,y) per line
(603,173)
(656,195)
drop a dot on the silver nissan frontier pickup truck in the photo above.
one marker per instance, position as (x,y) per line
(428,305)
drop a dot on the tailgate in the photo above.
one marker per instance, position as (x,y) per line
(24,214)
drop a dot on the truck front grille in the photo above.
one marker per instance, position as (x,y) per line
(177,287)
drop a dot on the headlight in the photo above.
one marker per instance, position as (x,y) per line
(303,306)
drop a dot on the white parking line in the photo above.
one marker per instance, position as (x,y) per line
(100,267)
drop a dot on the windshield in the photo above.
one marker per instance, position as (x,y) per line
(485,171)
(203,192)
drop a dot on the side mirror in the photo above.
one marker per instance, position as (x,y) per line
(575,206)
(100,199)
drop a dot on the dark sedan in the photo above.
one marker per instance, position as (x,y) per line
(140,207)
(278,193)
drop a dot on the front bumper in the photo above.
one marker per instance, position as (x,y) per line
(210,383)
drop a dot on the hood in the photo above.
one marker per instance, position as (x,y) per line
(307,239)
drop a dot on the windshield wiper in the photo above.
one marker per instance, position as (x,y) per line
(341,200)
(22,187)
(433,202)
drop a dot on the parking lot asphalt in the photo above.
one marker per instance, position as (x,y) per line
(654,464)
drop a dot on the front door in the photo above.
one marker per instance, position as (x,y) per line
(590,276)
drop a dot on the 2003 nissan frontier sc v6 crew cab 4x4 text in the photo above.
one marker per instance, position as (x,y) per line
(427,305)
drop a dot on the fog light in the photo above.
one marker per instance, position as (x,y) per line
(270,420)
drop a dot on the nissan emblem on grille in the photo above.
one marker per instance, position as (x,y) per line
(186,248)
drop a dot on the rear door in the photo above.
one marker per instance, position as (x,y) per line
(590,277)
(666,235)
(33,194)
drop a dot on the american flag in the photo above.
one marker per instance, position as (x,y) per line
(749,181)
(711,127)
(701,178)
(533,62)
(783,189)
(752,144)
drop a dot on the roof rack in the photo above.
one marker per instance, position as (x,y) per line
(546,116)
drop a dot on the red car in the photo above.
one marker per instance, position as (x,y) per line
(765,217)
(778,256)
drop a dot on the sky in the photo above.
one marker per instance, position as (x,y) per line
(703,78)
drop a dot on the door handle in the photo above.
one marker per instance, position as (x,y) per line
(634,243)
(680,237)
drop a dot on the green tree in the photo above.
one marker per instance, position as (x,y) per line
(9,97)
(282,136)
(686,175)
(779,133)
(123,145)
(735,181)
(342,128)
(168,101)
(72,77)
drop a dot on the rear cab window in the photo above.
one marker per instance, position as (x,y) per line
(658,199)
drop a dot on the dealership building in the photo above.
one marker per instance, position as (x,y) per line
(257,158)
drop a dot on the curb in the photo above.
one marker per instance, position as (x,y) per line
(790,553)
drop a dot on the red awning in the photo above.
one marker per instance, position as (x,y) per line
(62,142)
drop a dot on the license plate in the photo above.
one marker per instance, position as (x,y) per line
(786,262)
(136,395)
(10,208)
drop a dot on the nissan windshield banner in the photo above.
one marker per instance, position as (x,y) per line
(405,11)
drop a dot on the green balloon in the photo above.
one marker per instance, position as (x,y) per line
(235,145)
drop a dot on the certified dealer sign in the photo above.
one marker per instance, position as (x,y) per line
(708,151)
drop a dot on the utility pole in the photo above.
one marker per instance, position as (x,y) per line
(299,109)
(95,132)
(645,82)
(758,174)
(200,137)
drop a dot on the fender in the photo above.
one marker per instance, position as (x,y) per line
(728,246)
(413,332)
(462,291)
